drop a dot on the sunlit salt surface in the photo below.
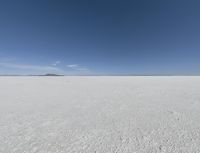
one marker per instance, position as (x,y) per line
(100,114)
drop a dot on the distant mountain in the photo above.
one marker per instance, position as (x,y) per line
(51,74)
(48,74)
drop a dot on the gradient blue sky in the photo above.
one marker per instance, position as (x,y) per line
(100,36)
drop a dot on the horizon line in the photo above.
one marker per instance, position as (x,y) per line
(58,75)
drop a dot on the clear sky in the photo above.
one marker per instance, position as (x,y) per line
(100,36)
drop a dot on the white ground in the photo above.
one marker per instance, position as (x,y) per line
(99,114)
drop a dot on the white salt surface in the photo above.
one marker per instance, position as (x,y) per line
(100,114)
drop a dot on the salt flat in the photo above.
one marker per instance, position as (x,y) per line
(145,114)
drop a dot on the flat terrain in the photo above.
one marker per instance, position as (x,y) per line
(100,114)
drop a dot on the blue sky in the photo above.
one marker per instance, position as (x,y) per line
(100,37)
